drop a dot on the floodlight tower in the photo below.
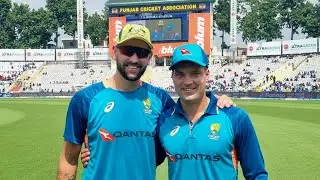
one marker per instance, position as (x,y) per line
(80,32)
(211,57)
(233,27)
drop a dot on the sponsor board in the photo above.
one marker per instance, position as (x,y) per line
(12,55)
(300,46)
(165,49)
(95,54)
(115,26)
(199,25)
(160,8)
(264,49)
(67,54)
(40,54)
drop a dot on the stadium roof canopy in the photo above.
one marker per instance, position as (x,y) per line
(114,3)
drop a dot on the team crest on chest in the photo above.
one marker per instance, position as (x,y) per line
(147,106)
(215,129)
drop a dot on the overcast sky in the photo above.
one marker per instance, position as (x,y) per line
(93,6)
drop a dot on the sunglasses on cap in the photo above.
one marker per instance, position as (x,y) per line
(130,51)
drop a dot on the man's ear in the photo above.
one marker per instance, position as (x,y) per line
(150,57)
(114,49)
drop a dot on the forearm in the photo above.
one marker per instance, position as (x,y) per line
(68,163)
(67,170)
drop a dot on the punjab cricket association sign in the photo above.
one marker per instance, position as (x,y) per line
(204,7)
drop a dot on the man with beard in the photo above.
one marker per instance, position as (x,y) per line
(119,116)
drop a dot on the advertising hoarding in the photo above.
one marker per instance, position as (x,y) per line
(178,7)
(264,49)
(300,46)
(199,30)
(115,26)
(12,55)
(67,54)
(95,54)
(40,54)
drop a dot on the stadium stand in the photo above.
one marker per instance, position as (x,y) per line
(243,76)
(65,77)
(305,77)
(281,74)
(13,74)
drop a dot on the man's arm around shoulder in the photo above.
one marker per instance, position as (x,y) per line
(68,162)
(248,149)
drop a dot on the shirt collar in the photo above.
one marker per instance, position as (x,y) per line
(211,109)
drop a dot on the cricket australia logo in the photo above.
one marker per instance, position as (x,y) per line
(147,106)
(137,30)
(214,128)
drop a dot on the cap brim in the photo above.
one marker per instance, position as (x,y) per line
(125,41)
(187,60)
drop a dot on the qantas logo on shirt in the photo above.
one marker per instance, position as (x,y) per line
(134,134)
(106,136)
(193,157)
(171,158)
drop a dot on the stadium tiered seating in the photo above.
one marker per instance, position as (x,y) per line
(13,74)
(292,74)
(9,71)
(161,77)
(304,78)
(66,78)
(282,72)
(98,73)
(246,75)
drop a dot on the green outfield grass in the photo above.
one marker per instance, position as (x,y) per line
(31,137)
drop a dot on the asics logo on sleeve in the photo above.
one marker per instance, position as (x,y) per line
(174,131)
(105,135)
(109,107)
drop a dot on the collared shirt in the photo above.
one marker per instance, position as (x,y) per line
(121,128)
(211,148)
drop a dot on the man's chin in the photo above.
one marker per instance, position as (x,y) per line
(190,98)
(132,77)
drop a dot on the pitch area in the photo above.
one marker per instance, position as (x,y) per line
(31,135)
